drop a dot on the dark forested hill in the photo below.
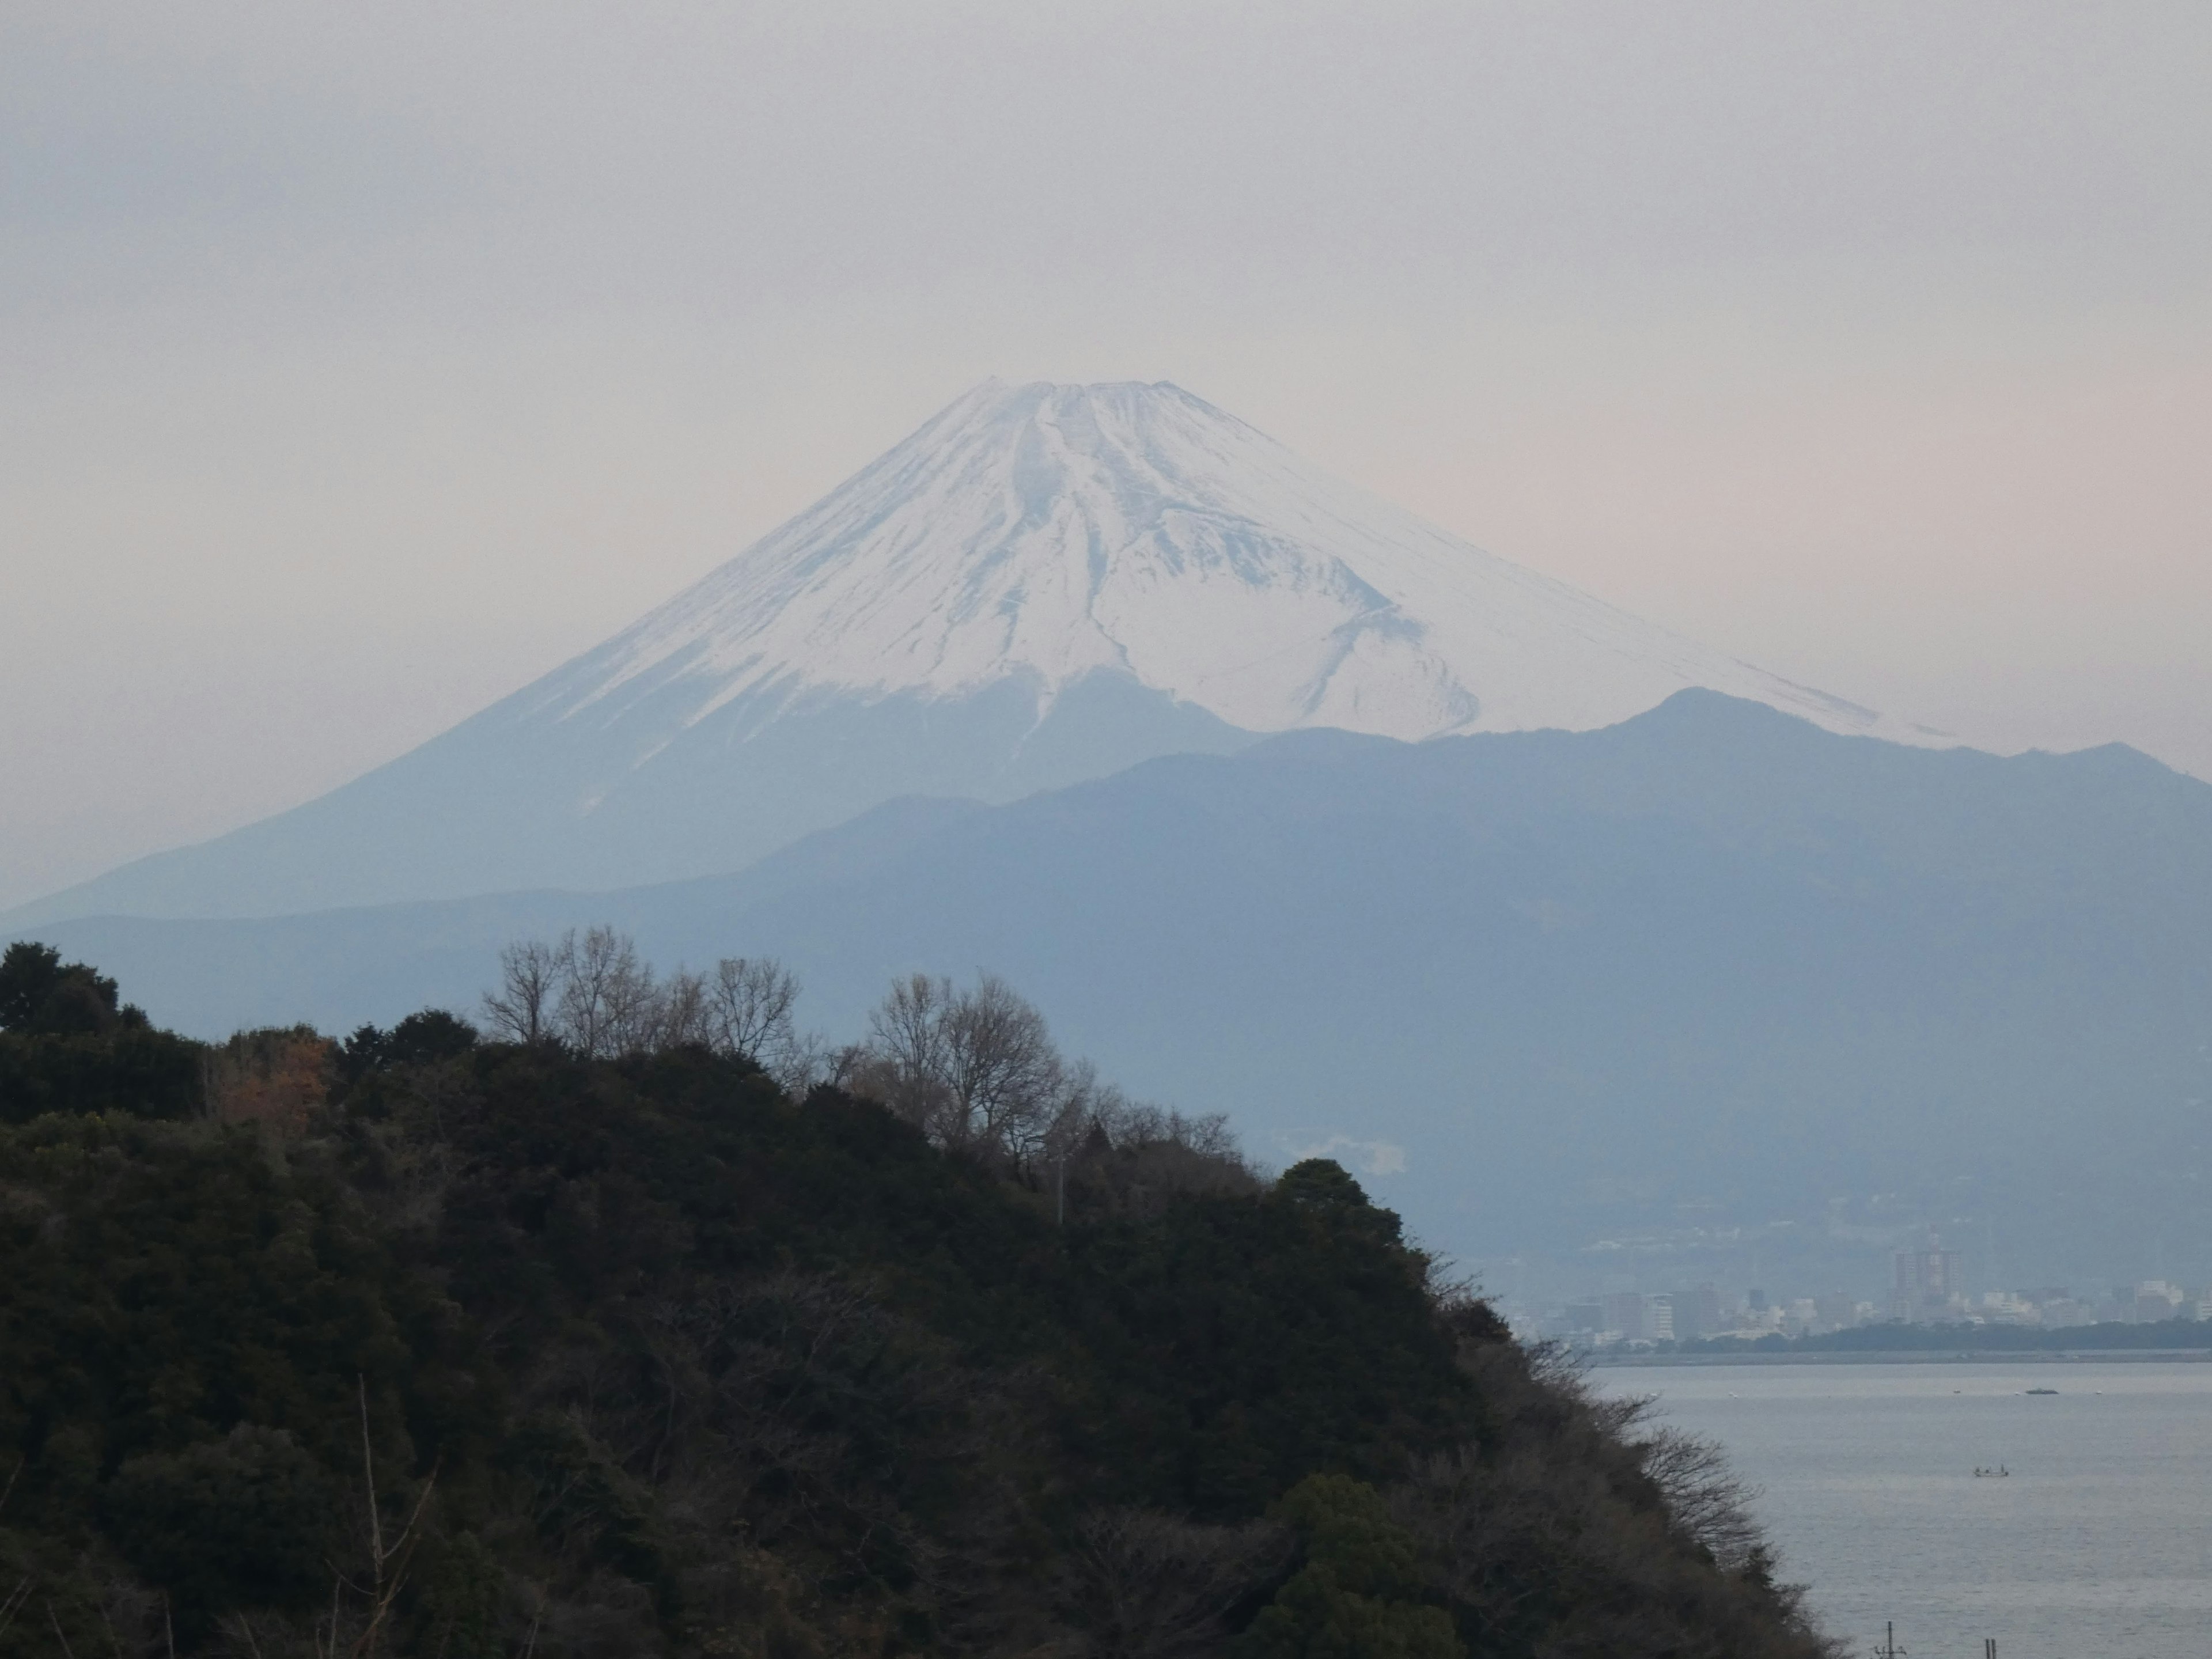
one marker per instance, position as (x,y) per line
(417,1345)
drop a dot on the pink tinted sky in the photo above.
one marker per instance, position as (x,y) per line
(361,365)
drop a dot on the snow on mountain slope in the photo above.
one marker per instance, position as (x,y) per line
(1044,584)
(1045,532)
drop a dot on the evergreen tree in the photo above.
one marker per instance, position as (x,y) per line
(1360,1592)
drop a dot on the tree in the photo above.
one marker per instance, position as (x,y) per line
(233,1523)
(521,1010)
(536,1353)
(1156,1586)
(749,1003)
(40,994)
(1708,1500)
(1358,1596)
(28,975)
(977,1070)
(66,1046)
(274,1077)
(1006,1080)
(594,995)
(424,1037)
(1324,1188)
(600,992)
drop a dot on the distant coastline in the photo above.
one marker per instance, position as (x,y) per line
(2167,1340)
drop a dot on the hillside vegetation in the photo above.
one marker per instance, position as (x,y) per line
(423,1344)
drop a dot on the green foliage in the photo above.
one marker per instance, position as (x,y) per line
(128,1070)
(1361,1591)
(239,1522)
(39,993)
(651,1359)
(458,1613)
(65,1046)
(421,1039)
(1348,1529)
(1243,1342)
(1324,1188)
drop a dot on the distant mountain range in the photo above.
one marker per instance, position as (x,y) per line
(1708,982)
(1042,585)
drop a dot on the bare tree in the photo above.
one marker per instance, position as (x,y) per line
(530,974)
(683,1019)
(595,996)
(810,1058)
(904,1059)
(1155,1586)
(1006,1081)
(748,1005)
(976,1069)
(599,993)
(636,1004)
(1140,1124)
(1109,1155)
(1707,1499)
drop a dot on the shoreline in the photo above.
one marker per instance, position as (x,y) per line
(1912,1356)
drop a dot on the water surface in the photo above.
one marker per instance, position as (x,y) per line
(2096,1542)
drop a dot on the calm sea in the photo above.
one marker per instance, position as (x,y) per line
(2098,1545)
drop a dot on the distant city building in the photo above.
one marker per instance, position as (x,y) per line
(1926,1287)
(1623,1315)
(1697,1312)
(2156,1300)
(1924,1284)
(2005,1307)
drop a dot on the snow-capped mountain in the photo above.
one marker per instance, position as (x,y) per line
(1044,584)
(1040,534)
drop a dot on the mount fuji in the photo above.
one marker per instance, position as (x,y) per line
(1042,585)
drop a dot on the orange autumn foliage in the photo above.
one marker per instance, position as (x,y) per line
(274,1077)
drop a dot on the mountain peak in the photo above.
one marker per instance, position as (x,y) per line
(1043,584)
(1037,533)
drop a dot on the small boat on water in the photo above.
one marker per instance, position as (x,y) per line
(2043,1391)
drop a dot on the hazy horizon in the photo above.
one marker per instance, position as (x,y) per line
(364,367)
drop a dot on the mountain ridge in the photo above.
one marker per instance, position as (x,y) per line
(1566,981)
(1043,584)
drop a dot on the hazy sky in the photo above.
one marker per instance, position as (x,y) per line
(358,364)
